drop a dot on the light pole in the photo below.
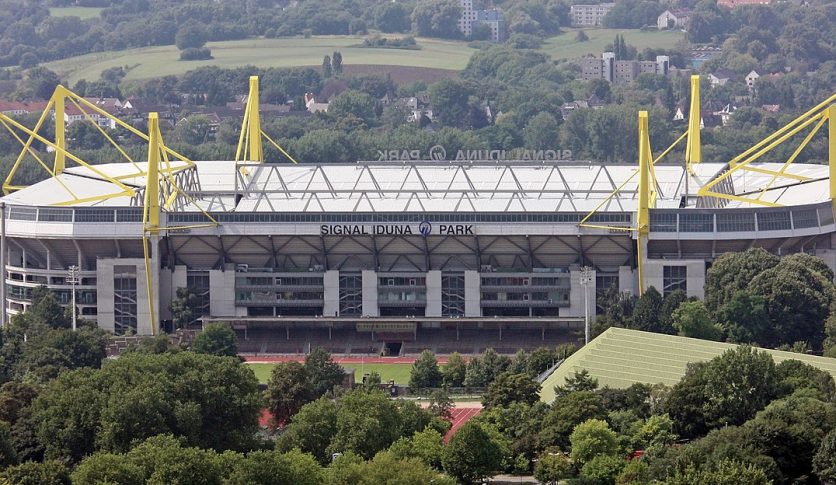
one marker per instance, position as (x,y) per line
(72,278)
(586,279)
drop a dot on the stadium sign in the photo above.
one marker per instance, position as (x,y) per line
(438,152)
(424,229)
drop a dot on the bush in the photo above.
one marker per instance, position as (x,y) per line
(195,54)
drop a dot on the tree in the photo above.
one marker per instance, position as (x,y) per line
(367,422)
(391,17)
(209,401)
(824,463)
(647,313)
(437,18)
(471,454)
(794,375)
(603,468)
(567,412)
(288,390)
(732,272)
(581,36)
(327,69)
(540,132)
(312,429)
(354,103)
(724,473)
(164,459)
(386,467)
(440,404)
(44,311)
(593,438)
(551,468)
(50,472)
(508,388)
(692,319)
(216,339)
(451,102)
(425,373)
(428,445)
(798,298)
(580,381)
(745,319)
(8,455)
(453,373)
(270,467)
(101,468)
(186,307)
(337,63)
(670,303)
(190,35)
(42,81)
(323,373)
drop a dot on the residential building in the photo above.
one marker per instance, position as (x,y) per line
(673,19)
(620,72)
(737,3)
(472,18)
(751,78)
(589,15)
(721,77)
(313,106)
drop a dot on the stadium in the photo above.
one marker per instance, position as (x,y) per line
(398,256)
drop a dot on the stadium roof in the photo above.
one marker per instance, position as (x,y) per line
(620,357)
(425,186)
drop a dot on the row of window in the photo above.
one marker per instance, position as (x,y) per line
(733,221)
(526,281)
(401,217)
(282,281)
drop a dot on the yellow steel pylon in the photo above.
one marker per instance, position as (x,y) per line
(249,141)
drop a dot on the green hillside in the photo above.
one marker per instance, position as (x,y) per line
(619,358)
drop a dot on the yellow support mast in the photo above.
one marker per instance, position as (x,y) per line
(831,155)
(60,137)
(151,212)
(693,149)
(249,141)
(645,188)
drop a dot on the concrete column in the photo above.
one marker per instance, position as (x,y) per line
(370,307)
(472,294)
(627,280)
(576,297)
(222,293)
(331,294)
(433,294)
(695,279)
(167,293)
(104,294)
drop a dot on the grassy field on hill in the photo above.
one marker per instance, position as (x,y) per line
(82,12)
(286,52)
(564,46)
(436,54)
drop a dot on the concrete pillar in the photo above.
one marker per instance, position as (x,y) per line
(627,280)
(104,294)
(576,297)
(433,294)
(222,292)
(166,294)
(331,293)
(370,307)
(472,294)
(695,279)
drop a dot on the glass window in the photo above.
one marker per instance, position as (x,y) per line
(773,221)
(124,299)
(674,278)
(691,222)
(351,294)
(663,221)
(452,295)
(735,221)
(805,218)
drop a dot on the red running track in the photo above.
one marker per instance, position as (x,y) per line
(271,359)
(460,416)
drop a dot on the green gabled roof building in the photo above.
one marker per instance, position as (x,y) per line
(620,357)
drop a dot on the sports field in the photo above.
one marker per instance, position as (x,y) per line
(398,372)
(565,45)
(82,12)
(286,52)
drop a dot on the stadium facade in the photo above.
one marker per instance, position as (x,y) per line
(391,249)
(393,246)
